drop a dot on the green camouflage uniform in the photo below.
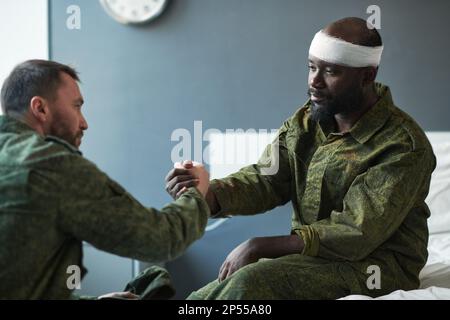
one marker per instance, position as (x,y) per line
(52,198)
(358,200)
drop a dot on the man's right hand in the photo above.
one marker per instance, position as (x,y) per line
(185,175)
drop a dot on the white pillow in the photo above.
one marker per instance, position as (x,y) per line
(439,196)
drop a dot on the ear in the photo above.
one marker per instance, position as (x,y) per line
(369,75)
(39,109)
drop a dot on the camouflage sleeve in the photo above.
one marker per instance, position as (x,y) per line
(373,209)
(94,208)
(258,187)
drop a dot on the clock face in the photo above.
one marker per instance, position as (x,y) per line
(134,11)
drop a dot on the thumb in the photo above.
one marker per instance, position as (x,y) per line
(187,164)
(178,165)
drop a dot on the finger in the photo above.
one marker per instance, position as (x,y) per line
(230,272)
(129,295)
(223,271)
(198,164)
(220,270)
(187,164)
(181,192)
(221,276)
(184,185)
(173,188)
(177,172)
(178,179)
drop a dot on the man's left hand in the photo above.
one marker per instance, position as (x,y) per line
(241,256)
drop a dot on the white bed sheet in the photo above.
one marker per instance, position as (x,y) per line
(431,293)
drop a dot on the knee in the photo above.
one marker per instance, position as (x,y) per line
(249,282)
(244,277)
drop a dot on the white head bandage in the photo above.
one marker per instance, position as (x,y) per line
(337,51)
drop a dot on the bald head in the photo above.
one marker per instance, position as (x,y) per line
(354,30)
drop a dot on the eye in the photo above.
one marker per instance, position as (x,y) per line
(312,68)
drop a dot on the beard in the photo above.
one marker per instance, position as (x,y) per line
(349,101)
(61,131)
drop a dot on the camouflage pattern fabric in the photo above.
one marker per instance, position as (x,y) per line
(358,200)
(52,199)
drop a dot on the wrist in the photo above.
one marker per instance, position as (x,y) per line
(212,202)
(275,246)
(255,248)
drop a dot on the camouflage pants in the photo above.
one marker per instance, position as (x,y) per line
(290,277)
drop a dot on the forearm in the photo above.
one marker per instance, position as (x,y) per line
(247,192)
(254,249)
(277,246)
(119,224)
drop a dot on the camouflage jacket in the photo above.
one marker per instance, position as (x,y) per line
(52,199)
(357,197)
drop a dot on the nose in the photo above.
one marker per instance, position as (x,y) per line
(83,123)
(316,80)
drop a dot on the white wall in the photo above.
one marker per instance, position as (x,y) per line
(23,33)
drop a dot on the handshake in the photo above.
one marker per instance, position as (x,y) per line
(185,175)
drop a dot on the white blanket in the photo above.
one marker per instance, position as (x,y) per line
(431,293)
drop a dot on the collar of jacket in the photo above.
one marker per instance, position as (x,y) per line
(10,125)
(370,122)
(375,118)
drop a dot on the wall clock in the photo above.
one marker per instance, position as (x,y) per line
(134,11)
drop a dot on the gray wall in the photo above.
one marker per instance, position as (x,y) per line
(231,64)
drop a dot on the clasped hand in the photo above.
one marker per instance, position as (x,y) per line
(185,175)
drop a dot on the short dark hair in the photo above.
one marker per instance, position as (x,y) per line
(29,79)
(371,39)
